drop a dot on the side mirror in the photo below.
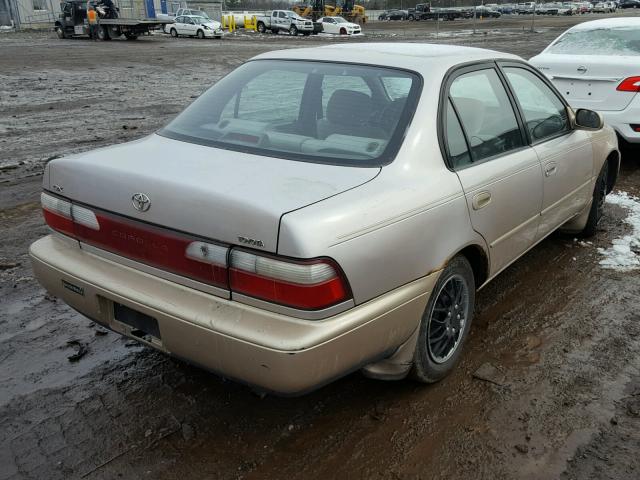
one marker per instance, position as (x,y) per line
(588,120)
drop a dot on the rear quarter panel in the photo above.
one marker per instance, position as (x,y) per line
(383,234)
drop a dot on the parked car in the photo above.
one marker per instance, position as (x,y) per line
(285,21)
(191,12)
(182,11)
(339,26)
(194,26)
(566,8)
(595,65)
(547,9)
(629,4)
(526,8)
(506,9)
(573,7)
(584,7)
(485,12)
(602,7)
(333,209)
(393,15)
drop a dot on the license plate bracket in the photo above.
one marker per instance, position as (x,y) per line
(141,323)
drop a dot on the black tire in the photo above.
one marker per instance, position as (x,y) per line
(200,34)
(411,18)
(60,33)
(103,33)
(174,33)
(261,27)
(445,314)
(597,205)
(293,31)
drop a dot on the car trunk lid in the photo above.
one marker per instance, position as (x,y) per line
(227,196)
(590,81)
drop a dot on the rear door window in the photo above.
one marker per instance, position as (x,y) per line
(456,143)
(486,113)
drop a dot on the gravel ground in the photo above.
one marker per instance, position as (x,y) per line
(558,335)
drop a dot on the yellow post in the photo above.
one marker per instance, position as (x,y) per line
(251,23)
(224,22)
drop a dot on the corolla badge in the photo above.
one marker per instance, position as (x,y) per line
(141,202)
(250,241)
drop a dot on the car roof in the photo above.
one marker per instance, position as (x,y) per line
(412,56)
(608,23)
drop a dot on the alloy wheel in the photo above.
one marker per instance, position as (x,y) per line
(447,319)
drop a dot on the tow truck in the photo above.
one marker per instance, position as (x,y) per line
(423,11)
(72,22)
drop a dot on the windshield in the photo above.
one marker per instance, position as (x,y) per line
(340,20)
(613,41)
(310,111)
(200,20)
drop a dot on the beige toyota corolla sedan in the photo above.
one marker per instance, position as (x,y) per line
(325,210)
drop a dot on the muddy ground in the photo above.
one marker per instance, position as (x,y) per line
(561,334)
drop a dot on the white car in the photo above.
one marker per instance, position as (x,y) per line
(601,7)
(339,26)
(194,26)
(596,65)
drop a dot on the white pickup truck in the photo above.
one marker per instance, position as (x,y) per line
(285,20)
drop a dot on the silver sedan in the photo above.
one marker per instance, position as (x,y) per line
(325,210)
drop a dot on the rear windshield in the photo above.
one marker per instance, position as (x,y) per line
(320,112)
(610,41)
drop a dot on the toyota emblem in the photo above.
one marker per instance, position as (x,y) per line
(140,202)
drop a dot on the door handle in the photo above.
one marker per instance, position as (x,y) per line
(481,200)
(550,168)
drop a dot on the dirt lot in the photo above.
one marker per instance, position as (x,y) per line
(560,333)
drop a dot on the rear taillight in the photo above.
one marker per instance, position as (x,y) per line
(304,284)
(174,252)
(308,285)
(57,213)
(631,84)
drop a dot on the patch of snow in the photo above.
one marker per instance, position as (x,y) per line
(624,253)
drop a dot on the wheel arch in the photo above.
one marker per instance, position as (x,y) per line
(613,162)
(479,261)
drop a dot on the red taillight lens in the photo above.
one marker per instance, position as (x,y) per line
(308,285)
(631,84)
(157,247)
(57,213)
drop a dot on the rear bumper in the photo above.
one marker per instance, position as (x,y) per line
(274,352)
(621,120)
